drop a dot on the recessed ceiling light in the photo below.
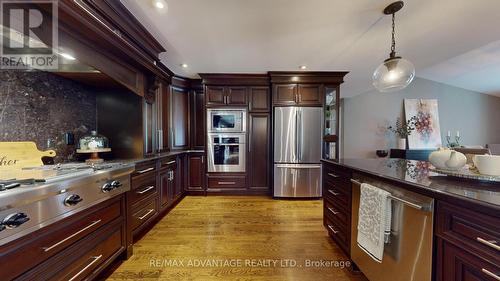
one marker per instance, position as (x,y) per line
(67,56)
(184,65)
(159,4)
(303,67)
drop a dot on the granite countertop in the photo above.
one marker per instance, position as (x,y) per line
(417,174)
(160,155)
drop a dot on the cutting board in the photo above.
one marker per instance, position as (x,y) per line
(18,155)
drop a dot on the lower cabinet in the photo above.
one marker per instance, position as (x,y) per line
(337,195)
(196,173)
(224,183)
(75,248)
(168,182)
(467,243)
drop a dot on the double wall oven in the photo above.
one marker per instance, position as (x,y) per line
(226,140)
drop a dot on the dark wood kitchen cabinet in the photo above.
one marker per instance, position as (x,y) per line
(467,244)
(167,182)
(258,151)
(69,248)
(302,88)
(285,94)
(179,118)
(298,94)
(259,99)
(226,96)
(215,95)
(197,122)
(196,172)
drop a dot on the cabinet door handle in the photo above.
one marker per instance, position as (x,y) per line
(46,249)
(226,182)
(333,211)
(145,189)
(333,230)
(170,162)
(490,243)
(333,175)
(145,170)
(333,192)
(94,260)
(490,274)
(146,214)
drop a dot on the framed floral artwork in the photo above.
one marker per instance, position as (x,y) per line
(427,133)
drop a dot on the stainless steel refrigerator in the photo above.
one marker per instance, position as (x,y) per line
(297,151)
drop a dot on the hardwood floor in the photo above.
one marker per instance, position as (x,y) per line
(258,235)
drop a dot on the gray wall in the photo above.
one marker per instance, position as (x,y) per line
(475,115)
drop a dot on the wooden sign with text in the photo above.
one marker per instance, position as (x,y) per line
(17,155)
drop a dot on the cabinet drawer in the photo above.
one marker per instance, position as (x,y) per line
(477,232)
(338,215)
(339,235)
(145,212)
(461,265)
(331,172)
(83,259)
(168,162)
(51,240)
(144,169)
(142,191)
(227,182)
(337,196)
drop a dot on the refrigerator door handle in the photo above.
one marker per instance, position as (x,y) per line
(296,134)
(295,166)
(299,136)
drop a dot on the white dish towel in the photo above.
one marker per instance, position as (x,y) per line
(374,223)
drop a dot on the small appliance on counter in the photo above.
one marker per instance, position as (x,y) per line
(93,144)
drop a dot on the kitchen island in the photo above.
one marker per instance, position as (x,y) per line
(463,220)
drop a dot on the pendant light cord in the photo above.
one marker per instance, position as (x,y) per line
(393,44)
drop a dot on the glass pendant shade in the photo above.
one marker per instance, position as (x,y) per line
(393,74)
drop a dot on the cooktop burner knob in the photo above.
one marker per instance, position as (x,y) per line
(107,187)
(116,184)
(15,220)
(72,200)
(2,227)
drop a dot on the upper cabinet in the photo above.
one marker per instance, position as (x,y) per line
(179,111)
(237,90)
(302,88)
(197,120)
(259,99)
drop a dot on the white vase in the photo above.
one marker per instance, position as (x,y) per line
(402,143)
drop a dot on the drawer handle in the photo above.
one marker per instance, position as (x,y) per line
(491,243)
(147,214)
(226,182)
(145,189)
(333,175)
(94,260)
(46,249)
(170,162)
(145,170)
(333,212)
(333,192)
(333,230)
(490,274)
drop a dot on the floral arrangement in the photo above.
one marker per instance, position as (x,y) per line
(404,129)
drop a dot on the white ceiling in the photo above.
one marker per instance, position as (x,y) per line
(260,35)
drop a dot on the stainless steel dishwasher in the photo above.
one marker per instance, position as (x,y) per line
(408,254)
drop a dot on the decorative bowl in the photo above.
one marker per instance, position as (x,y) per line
(487,164)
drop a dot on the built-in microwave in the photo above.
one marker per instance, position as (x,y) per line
(226,152)
(226,120)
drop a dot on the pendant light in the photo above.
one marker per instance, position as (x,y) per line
(395,73)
